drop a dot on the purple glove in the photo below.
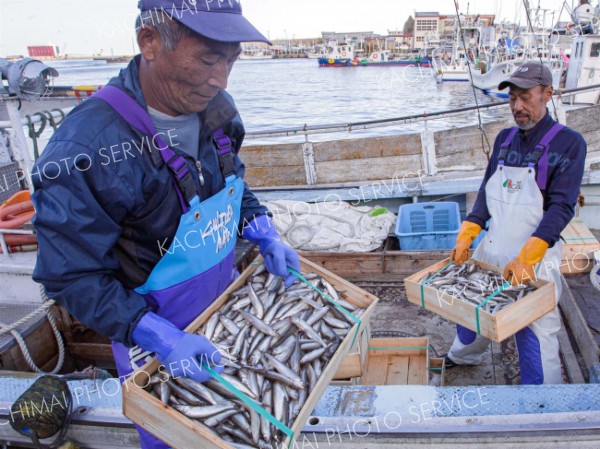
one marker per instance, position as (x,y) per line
(181,353)
(278,256)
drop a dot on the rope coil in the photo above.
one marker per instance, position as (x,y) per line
(44,308)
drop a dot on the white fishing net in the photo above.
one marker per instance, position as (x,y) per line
(331,226)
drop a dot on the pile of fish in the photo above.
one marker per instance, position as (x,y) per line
(275,343)
(473,284)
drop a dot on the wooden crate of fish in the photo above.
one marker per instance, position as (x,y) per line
(397,361)
(476,296)
(578,246)
(281,349)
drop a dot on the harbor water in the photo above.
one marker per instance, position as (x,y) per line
(290,93)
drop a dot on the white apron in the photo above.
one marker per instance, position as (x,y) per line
(515,203)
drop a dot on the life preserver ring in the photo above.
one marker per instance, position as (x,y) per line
(16,215)
(344,53)
(331,61)
(375,56)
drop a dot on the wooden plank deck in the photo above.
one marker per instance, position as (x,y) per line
(581,307)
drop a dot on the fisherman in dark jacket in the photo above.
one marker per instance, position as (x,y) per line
(528,194)
(139,194)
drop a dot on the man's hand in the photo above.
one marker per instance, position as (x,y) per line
(278,256)
(182,354)
(522,268)
(467,233)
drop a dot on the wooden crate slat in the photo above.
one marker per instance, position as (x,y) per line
(377,369)
(351,366)
(417,370)
(438,366)
(396,346)
(375,266)
(512,319)
(166,423)
(398,368)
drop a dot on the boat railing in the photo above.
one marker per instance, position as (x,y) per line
(4,246)
(306,130)
(37,118)
(327,128)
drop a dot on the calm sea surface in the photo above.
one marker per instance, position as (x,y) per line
(275,94)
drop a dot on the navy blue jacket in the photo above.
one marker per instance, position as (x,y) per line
(103,206)
(566,162)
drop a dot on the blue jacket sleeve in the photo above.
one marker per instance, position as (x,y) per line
(562,191)
(76,234)
(251,207)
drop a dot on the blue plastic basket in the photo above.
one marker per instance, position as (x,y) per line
(427,226)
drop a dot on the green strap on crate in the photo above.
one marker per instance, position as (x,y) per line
(331,300)
(252,404)
(428,280)
(484,302)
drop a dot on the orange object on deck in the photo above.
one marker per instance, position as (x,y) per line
(14,213)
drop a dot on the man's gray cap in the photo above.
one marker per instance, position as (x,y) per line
(528,75)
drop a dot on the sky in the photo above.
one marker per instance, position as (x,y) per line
(106,26)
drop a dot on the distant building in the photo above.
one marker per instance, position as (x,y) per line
(43,51)
(433,28)
(472,26)
(426,28)
(403,41)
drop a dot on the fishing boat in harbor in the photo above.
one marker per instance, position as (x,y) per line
(316,52)
(488,81)
(481,406)
(453,68)
(346,56)
(254,53)
(451,62)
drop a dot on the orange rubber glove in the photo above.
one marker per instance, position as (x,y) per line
(467,233)
(522,269)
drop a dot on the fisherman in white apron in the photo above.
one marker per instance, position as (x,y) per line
(528,195)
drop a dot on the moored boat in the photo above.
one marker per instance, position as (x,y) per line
(346,56)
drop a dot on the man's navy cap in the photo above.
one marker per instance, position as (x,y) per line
(529,75)
(219,20)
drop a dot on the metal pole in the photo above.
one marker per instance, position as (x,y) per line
(36,118)
(3,245)
(13,113)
